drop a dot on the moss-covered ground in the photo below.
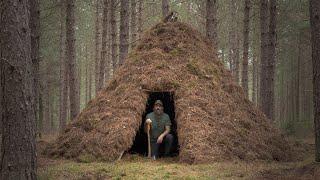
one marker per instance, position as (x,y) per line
(137,167)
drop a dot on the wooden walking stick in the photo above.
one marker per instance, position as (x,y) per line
(148,123)
(149,143)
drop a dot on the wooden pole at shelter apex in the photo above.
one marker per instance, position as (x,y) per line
(165,8)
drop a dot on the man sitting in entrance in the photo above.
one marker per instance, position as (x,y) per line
(160,129)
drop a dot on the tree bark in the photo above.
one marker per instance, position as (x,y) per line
(258,81)
(113,25)
(234,43)
(211,22)
(104,56)
(63,72)
(97,45)
(41,106)
(133,27)
(237,58)
(231,51)
(271,60)
(254,80)
(245,47)
(46,98)
(79,72)
(18,150)
(70,55)
(51,109)
(35,37)
(165,8)
(87,65)
(90,79)
(124,31)
(315,39)
(140,13)
(264,56)
(298,101)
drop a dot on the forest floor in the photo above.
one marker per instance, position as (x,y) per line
(137,167)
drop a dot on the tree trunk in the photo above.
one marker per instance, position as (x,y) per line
(231,51)
(237,58)
(271,60)
(124,31)
(97,45)
(113,34)
(140,13)
(233,42)
(18,150)
(264,55)
(298,101)
(35,37)
(63,73)
(51,109)
(133,28)
(245,47)
(109,67)
(315,39)
(79,73)
(87,65)
(103,59)
(254,80)
(90,79)
(258,81)
(211,22)
(165,8)
(70,55)
(46,99)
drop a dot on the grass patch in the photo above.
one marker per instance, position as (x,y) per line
(86,158)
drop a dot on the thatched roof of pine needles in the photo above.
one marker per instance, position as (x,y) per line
(215,121)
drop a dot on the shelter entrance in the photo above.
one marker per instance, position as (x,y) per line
(140,145)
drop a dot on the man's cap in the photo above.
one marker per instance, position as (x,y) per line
(158,102)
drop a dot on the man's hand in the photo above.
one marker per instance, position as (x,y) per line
(160,139)
(148,121)
(147,125)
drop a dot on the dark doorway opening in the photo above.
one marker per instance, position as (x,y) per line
(140,145)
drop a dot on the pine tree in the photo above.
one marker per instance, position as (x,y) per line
(133,22)
(264,55)
(124,31)
(18,150)
(113,26)
(97,45)
(63,72)
(104,52)
(315,33)
(211,22)
(245,46)
(35,54)
(70,55)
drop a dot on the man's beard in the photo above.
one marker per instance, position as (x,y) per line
(158,111)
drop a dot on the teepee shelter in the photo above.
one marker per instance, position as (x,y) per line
(213,119)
